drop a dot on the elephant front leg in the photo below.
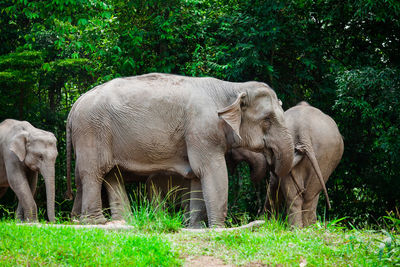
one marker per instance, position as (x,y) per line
(19,214)
(27,209)
(211,169)
(32,177)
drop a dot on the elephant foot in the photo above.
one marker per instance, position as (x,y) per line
(196,224)
(93,220)
(27,221)
(217,226)
(121,216)
(116,222)
(30,219)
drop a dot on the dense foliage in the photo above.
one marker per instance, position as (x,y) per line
(341,56)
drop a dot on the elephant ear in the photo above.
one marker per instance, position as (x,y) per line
(232,114)
(18,143)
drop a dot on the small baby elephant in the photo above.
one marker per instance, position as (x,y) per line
(25,151)
(319,149)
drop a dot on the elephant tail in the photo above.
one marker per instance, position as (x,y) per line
(308,150)
(68,193)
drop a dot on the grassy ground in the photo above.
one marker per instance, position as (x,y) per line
(157,241)
(30,245)
(272,244)
(275,244)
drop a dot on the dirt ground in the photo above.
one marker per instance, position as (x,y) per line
(201,261)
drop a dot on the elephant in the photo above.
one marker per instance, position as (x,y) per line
(184,125)
(318,150)
(24,152)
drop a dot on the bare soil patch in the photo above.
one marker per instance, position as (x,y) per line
(200,261)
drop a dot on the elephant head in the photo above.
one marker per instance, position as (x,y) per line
(257,119)
(38,151)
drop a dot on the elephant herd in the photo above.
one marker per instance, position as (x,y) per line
(163,129)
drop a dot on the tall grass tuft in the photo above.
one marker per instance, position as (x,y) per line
(158,214)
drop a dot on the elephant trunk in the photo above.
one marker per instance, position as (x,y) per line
(258,167)
(282,148)
(48,174)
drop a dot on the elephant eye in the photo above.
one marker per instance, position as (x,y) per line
(267,118)
(266,123)
(41,157)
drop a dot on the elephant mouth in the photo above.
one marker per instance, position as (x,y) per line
(270,157)
(273,159)
(33,167)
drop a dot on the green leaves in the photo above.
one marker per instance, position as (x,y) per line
(367,100)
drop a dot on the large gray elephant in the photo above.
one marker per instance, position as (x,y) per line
(24,152)
(319,148)
(185,125)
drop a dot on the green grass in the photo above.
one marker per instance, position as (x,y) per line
(272,244)
(23,245)
(157,215)
(157,241)
(275,244)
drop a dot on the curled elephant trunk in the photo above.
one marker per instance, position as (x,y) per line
(280,152)
(48,174)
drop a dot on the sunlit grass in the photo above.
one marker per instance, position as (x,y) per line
(157,214)
(156,240)
(26,245)
(276,243)
(152,242)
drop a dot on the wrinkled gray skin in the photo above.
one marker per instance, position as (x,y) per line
(24,152)
(161,122)
(319,148)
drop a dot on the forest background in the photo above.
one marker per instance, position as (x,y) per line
(343,57)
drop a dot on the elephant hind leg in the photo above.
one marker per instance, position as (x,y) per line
(294,212)
(294,201)
(91,184)
(197,213)
(91,200)
(117,197)
(77,207)
(310,210)
(93,162)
